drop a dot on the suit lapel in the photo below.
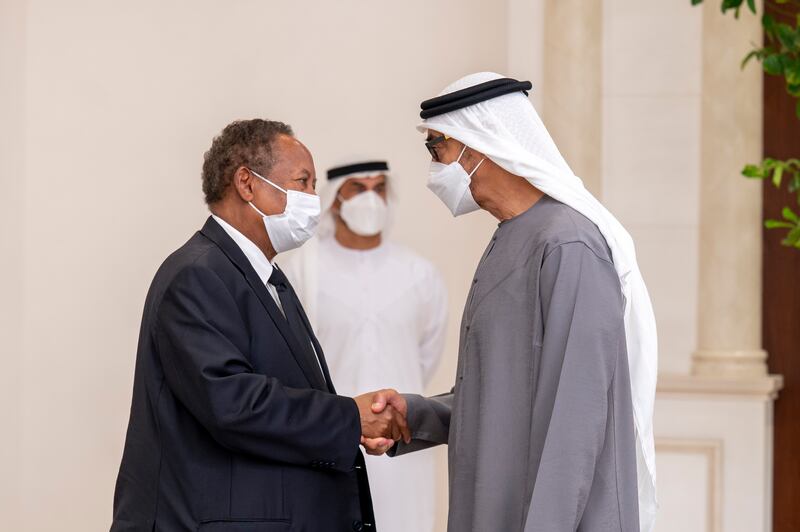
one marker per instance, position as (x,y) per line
(214,232)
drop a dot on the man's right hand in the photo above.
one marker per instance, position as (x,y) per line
(383,415)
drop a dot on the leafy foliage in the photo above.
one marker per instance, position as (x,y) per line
(779,172)
(780,56)
(735,5)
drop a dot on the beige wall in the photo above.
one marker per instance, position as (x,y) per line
(12,90)
(101,162)
(730,276)
(525,43)
(573,78)
(651,155)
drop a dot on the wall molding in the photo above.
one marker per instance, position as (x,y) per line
(763,387)
(711,451)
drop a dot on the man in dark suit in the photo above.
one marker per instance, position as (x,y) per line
(235,424)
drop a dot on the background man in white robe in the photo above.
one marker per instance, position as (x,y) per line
(380,310)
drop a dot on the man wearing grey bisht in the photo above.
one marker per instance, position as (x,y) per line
(549,424)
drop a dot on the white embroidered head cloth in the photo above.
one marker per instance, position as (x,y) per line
(337,177)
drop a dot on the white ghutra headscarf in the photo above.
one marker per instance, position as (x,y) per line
(508,131)
(330,191)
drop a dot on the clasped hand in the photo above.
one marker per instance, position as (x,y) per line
(383,420)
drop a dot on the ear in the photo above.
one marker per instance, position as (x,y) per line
(243,182)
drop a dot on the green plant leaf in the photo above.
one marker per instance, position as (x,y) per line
(791,69)
(768,23)
(695,2)
(777,176)
(788,214)
(797,109)
(752,5)
(772,64)
(748,57)
(794,183)
(793,237)
(785,35)
(752,171)
(777,224)
(736,5)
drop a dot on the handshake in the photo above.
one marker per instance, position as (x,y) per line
(383,420)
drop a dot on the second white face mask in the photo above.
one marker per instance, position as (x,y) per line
(296,224)
(365,214)
(450,182)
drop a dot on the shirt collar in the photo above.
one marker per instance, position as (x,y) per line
(257,259)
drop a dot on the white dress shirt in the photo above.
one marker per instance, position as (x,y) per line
(258,260)
(261,265)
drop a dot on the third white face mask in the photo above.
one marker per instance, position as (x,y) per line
(450,182)
(365,214)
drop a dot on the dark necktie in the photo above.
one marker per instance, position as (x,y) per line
(291,309)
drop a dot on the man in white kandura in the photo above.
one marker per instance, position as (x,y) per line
(380,310)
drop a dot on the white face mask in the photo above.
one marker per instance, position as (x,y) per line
(365,214)
(450,182)
(296,224)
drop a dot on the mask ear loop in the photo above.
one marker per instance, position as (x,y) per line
(257,209)
(476,168)
(265,180)
(462,153)
(339,191)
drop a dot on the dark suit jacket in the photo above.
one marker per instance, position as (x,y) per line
(233,427)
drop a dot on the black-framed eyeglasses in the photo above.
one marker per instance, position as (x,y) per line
(431,145)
